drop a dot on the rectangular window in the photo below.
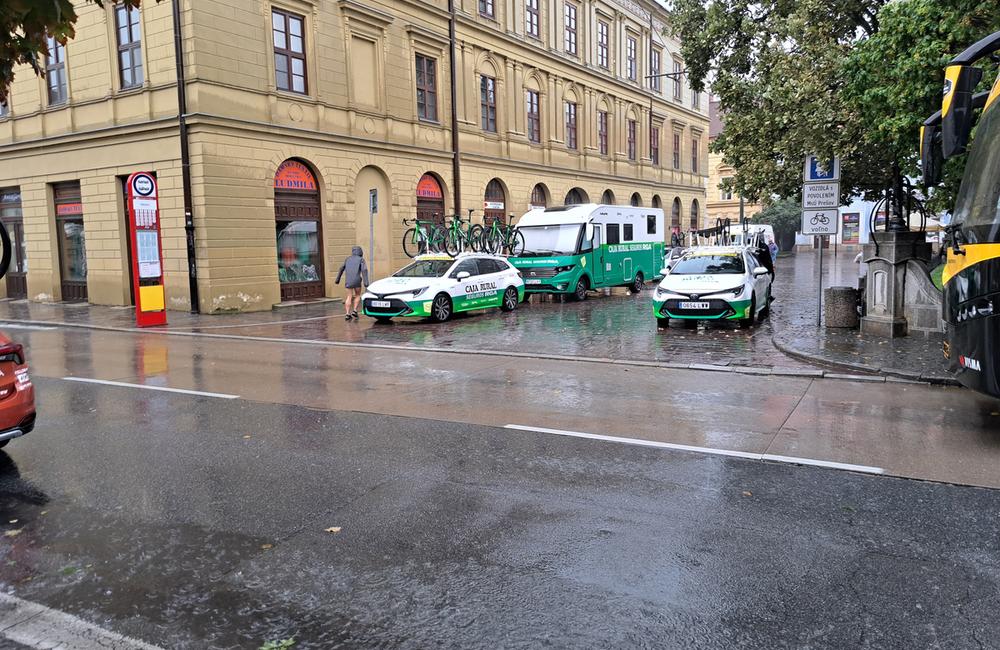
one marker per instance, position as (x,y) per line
(55,71)
(627,235)
(571,125)
(696,100)
(531,22)
(678,73)
(613,233)
(569,28)
(677,151)
(534,117)
(654,145)
(289,51)
(129,46)
(650,224)
(694,154)
(3,109)
(631,62)
(655,57)
(486,8)
(427,107)
(488,103)
(603,44)
(631,139)
(602,132)
(725,194)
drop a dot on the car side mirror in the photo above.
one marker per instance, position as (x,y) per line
(759,271)
(463,275)
(665,270)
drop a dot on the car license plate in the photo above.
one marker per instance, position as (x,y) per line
(381,304)
(532,281)
(696,305)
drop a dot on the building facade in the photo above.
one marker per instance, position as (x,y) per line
(301,112)
(722,203)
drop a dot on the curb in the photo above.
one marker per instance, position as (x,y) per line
(888,374)
(777,371)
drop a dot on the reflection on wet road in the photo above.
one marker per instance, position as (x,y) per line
(193,522)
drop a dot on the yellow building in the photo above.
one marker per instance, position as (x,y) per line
(299,111)
(722,203)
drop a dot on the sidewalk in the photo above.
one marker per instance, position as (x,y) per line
(797,334)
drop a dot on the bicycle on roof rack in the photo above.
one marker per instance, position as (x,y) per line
(424,237)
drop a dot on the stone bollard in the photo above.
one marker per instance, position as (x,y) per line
(841,307)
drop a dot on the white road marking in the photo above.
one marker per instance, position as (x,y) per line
(37,626)
(704,450)
(164,389)
(16,326)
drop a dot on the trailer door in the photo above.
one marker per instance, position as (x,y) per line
(595,261)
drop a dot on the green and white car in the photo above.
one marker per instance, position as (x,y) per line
(437,286)
(714,283)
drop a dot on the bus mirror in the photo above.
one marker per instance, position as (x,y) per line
(930,154)
(956,110)
(588,233)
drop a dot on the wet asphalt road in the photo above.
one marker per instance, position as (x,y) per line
(193,522)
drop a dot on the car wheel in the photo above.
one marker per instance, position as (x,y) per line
(637,283)
(766,311)
(663,323)
(4,444)
(510,300)
(752,315)
(441,308)
(580,293)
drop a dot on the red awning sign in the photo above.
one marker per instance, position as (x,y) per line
(293,175)
(429,188)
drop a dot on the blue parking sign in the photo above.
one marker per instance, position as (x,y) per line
(818,169)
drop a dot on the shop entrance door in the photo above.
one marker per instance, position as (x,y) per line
(72,242)
(10,214)
(298,232)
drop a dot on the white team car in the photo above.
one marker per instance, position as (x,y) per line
(437,286)
(714,283)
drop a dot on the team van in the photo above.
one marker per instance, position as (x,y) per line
(572,249)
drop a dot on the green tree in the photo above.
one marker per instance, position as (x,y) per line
(848,77)
(785,216)
(25,26)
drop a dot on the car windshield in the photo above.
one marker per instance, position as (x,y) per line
(977,209)
(425,269)
(550,240)
(710,265)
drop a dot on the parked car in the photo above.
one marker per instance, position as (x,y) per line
(438,286)
(17,395)
(714,283)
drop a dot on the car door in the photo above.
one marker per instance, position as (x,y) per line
(460,290)
(491,278)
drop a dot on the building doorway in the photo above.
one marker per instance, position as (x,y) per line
(13,219)
(495,204)
(72,241)
(298,232)
(430,199)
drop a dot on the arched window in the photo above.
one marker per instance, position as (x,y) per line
(539,197)
(694,215)
(657,203)
(636,200)
(608,198)
(495,205)
(576,196)
(430,199)
(675,214)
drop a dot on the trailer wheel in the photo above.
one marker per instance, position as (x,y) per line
(637,283)
(580,293)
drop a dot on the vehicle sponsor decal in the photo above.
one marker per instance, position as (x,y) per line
(480,290)
(970,363)
(628,248)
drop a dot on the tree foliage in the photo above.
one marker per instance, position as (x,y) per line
(26,25)
(849,77)
(784,215)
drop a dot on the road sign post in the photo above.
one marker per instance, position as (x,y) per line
(147,250)
(821,208)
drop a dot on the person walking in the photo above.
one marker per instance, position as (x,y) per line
(773,249)
(356,270)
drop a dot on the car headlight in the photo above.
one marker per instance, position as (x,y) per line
(663,294)
(563,269)
(731,293)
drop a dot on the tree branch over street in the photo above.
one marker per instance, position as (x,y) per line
(848,77)
(26,25)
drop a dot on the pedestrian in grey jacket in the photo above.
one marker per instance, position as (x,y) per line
(357,276)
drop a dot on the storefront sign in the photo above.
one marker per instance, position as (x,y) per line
(851,233)
(69,209)
(293,175)
(429,188)
(493,205)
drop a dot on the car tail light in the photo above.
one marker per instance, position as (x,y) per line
(12,352)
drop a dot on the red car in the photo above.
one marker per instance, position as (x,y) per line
(17,395)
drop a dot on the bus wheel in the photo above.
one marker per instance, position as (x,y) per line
(637,284)
(580,293)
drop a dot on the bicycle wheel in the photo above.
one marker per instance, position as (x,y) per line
(414,243)
(476,233)
(492,241)
(453,243)
(515,244)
